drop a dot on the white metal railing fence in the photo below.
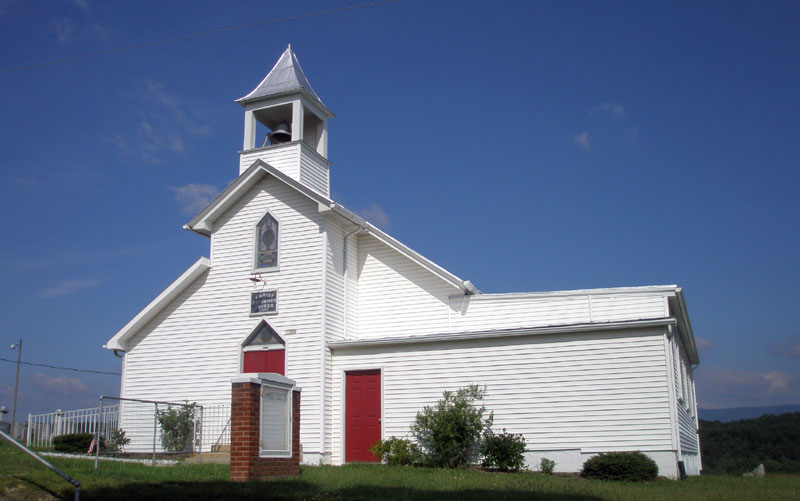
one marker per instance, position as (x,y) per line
(42,428)
(136,420)
(216,427)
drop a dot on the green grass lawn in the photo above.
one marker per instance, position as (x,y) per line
(23,478)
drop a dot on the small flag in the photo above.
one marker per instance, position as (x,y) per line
(92,445)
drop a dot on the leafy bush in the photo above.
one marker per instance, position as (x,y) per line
(548,465)
(628,466)
(505,451)
(397,451)
(177,426)
(75,443)
(449,432)
(117,440)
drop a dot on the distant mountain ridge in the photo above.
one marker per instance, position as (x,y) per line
(737,413)
(739,446)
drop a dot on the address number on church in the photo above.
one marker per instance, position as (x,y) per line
(264,302)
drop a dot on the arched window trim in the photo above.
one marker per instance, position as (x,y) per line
(277,266)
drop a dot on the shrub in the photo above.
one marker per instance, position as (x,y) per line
(547,466)
(449,432)
(505,451)
(117,440)
(75,443)
(177,426)
(397,451)
(627,466)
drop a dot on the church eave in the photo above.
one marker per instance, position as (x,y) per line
(119,340)
(310,97)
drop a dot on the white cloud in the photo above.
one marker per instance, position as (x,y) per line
(167,125)
(724,387)
(65,30)
(606,108)
(582,139)
(68,287)
(375,215)
(702,343)
(60,385)
(789,348)
(194,197)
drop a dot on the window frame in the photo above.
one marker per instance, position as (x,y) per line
(277,266)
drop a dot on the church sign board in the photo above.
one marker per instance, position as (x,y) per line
(264,302)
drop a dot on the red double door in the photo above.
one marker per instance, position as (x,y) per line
(362,414)
(265,361)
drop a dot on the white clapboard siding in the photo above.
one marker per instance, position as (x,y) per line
(334,283)
(505,311)
(687,431)
(396,296)
(285,157)
(191,349)
(351,292)
(314,171)
(594,391)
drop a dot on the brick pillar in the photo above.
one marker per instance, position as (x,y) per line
(246,465)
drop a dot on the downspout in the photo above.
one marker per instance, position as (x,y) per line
(345,272)
(669,339)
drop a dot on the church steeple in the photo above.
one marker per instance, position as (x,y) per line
(285,77)
(297,121)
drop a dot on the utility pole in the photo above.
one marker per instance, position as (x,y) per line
(17,347)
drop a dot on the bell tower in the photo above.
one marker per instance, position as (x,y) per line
(293,136)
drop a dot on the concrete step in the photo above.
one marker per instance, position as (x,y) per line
(221,448)
(210,457)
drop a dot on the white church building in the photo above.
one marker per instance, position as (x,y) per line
(372,331)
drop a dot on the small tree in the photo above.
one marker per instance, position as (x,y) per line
(177,426)
(449,432)
(117,440)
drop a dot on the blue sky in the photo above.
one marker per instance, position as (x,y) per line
(526,146)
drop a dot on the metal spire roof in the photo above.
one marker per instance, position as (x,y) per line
(285,76)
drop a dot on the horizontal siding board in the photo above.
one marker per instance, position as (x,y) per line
(596,404)
(397,296)
(486,312)
(285,159)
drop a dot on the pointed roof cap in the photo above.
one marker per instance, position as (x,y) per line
(286,76)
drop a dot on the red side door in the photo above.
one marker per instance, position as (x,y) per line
(362,426)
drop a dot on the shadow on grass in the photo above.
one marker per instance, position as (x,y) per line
(299,489)
(39,486)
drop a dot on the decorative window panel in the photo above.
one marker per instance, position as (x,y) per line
(267,242)
(276,421)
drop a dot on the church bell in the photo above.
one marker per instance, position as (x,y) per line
(281,134)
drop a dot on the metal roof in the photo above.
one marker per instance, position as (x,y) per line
(285,76)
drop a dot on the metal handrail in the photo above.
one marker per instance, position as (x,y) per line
(46,463)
